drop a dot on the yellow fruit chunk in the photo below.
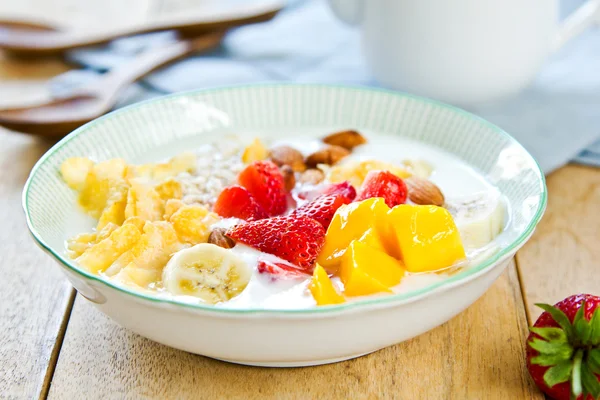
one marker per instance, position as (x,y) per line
(256,151)
(426,237)
(101,255)
(355,172)
(372,238)
(322,288)
(114,212)
(151,252)
(171,207)
(349,223)
(192,223)
(74,170)
(143,201)
(365,270)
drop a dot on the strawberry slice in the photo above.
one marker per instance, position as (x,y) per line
(297,240)
(281,270)
(237,202)
(322,208)
(383,184)
(343,188)
(265,182)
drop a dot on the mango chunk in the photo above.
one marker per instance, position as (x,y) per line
(425,237)
(322,288)
(372,238)
(365,270)
(256,151)
(349,223)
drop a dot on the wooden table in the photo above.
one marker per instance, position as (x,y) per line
(54,344)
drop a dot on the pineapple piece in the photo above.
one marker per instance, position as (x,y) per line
(192,223)
(74,171)
(102,254)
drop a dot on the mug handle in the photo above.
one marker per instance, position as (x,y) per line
(582,18)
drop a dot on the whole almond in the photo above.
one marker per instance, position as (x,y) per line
(287,155)
(312,176)
(289,177)
(424,192)
(218,237)
(329,155)
(347,139)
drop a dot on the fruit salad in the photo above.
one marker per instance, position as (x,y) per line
(276,223)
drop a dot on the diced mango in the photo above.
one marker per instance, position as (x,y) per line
(349,223)
(425,237)
(322,288)
(74,171)
(101,255)
(365,270)
(373,239)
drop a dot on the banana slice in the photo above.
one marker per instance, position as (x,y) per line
(206,271)
(479,217)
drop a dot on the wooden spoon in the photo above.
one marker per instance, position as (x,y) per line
(37,41)
(62,115)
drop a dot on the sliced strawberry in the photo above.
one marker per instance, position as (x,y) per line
(281,270)
(265,182)
(344,188)
(297,240)
(322,208)
(237,202)
(383,184)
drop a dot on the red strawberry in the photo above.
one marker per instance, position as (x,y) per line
(322,208)
(383,184)
(237,202)
(265,182)
(344,188)
(297,240)
(563,348)
(280,270)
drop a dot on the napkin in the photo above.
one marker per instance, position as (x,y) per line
(557,118)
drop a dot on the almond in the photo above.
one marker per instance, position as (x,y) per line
(289,177)
(218,237)
(312,176)
(329,155)
(286,155)
(424,192)
(347,139)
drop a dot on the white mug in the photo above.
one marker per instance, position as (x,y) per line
(461,51)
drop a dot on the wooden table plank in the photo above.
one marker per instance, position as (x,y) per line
(477,355)
(563,256)
(34,295)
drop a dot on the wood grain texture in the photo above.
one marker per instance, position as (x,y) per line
(563,256)
(477,355)
(34,295)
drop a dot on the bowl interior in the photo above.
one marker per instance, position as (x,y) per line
(162,127)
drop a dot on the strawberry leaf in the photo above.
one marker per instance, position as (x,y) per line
(581,326)
(561,319)
(590,382)
(551,334)
(593,359)
(595,328)
(551,348)
(559,373)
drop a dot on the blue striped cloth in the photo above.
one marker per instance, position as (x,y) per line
(557,118)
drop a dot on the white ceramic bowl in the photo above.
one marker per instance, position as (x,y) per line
(165,126)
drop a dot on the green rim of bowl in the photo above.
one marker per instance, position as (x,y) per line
(394,298)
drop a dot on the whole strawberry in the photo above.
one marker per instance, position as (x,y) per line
(563,349)
(296,239)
